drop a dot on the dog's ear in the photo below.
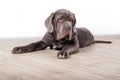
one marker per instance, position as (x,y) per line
(74,29)
(74,19)
(74,22)
(48,23)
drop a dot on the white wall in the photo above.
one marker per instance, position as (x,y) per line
(25,18)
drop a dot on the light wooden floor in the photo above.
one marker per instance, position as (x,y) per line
(96,62)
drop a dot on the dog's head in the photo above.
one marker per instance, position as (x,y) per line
(62,23)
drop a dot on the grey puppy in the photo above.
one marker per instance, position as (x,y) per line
(61,35)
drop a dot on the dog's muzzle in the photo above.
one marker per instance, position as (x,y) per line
(64,30)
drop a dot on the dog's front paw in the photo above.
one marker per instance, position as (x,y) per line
(63,55)
(18,50)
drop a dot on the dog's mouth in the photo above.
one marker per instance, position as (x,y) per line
(66,37)
(64,34)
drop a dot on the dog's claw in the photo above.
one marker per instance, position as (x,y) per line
(63,55)
(17,50)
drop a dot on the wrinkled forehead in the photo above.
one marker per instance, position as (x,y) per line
(63,12)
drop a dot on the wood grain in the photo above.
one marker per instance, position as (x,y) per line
(96,62)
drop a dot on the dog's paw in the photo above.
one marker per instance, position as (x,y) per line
(18,50)
(63,55)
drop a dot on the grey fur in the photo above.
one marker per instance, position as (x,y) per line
(62,34)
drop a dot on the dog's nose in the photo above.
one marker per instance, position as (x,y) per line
(67,27)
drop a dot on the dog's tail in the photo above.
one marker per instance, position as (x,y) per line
(101,41)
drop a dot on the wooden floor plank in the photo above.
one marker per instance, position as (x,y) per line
(96,62)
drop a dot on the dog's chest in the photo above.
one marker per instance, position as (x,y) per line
(58,44)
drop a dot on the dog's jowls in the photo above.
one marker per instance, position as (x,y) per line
(61,35)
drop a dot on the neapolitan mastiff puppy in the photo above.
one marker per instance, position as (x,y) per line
(61,35)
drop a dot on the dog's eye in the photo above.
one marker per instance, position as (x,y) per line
(61,19)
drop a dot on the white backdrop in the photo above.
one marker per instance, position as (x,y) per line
(25,18)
